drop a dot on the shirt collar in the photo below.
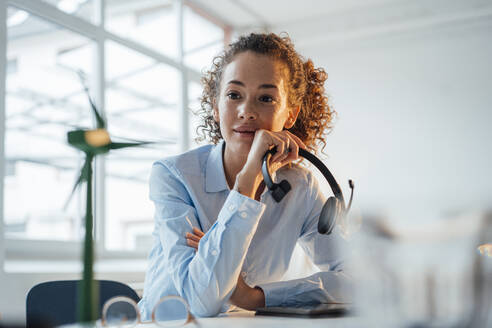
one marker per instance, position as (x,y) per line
(214,175)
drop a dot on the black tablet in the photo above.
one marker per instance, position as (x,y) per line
(316,310)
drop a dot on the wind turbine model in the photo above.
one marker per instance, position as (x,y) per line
(92,142)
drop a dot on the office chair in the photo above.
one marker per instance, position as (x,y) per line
(54,303)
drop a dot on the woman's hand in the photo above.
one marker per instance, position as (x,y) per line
(193,239)
(246,297)
(243,296)
(288,144)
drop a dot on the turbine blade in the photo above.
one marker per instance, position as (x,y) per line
(155,142)
(119,145)
(101,123)
(77,183)
(82,177)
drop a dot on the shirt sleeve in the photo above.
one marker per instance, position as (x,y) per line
(332,284)
(207,277)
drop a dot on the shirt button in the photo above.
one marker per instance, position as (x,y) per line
(243,274)
(244,215)
(231,207)
(214,252)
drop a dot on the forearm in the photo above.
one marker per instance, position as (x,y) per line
(208,285)
(247,181)
(321,287)
(208,277)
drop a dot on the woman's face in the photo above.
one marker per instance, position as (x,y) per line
(253,95)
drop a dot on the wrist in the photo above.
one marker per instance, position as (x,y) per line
(247,182)
(259,297)
(250,299)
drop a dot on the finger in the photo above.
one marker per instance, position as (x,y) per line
(293,154)
(281,155)
(298,141)
(193,237)
(279,143)
(198,232)
(192,243)
(295,145)
(287,148)
(275,166)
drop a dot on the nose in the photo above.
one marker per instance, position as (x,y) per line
(247,111)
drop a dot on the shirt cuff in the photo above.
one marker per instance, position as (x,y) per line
(274,293)
(240,210)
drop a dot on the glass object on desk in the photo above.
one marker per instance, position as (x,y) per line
(350,223)
(123,312)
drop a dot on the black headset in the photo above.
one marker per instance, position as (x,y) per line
(333,208)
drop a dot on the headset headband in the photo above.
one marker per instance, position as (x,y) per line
(337,192)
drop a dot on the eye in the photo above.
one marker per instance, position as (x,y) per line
(267,98)
(233,95)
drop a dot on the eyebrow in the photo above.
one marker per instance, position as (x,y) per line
(263,86)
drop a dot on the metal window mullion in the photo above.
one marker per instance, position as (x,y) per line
(35,249)
(3,79)
(54,15)
(184,142)
(100,12)
(82,27)
(29,249)
(99,78)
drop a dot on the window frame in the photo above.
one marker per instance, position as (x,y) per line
(48,249)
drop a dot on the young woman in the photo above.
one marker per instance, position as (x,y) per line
(220,239)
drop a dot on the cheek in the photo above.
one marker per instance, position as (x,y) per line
(223,120)
(277,122)
(220,111)
(226,113)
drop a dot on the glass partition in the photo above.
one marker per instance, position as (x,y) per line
(141,104)
(44,100)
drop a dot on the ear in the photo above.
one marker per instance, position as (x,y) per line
(294,112)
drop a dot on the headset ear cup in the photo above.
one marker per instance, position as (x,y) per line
(327,217)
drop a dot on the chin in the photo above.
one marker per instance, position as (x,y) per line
(242,146)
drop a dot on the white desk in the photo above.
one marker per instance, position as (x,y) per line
(248,319)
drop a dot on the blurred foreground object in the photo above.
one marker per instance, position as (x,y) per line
(424,272)
(485,249)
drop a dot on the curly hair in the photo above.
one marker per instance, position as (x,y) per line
(305,88)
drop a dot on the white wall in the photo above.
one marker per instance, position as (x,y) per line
(414,116)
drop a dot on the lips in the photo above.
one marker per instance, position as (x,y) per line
(247,132)
(245,129)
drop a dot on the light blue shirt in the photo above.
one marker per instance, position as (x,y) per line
(242,236)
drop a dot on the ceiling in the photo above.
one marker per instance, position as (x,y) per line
(241,13)
(314,22)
